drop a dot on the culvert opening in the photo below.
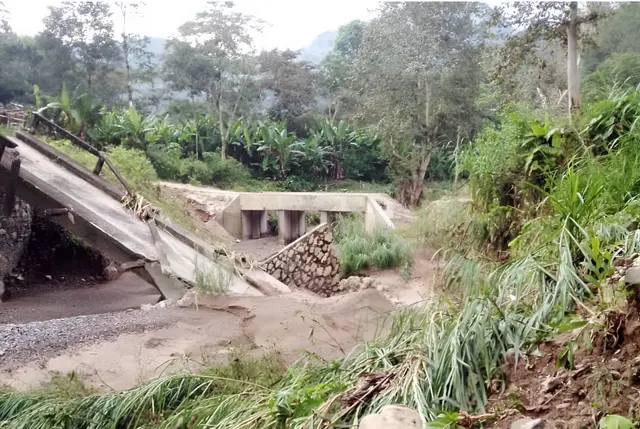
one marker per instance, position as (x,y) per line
(59,275)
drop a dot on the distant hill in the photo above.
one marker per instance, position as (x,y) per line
(319,48)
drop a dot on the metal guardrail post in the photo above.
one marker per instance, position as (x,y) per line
(98,166)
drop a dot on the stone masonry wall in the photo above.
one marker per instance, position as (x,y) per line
(310,262)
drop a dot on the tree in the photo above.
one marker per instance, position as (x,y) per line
(617,32)
(292,82)
(138,62)
(620,69)
(535,24)
(4,19)
(418,79)
(58,64)
(86,28)
(20,63)
(338,66)
(210,60)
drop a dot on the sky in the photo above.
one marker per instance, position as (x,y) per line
(292,24)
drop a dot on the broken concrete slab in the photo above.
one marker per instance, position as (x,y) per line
(170,287)
(265,283)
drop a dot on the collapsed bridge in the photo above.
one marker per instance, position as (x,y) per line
(156,250)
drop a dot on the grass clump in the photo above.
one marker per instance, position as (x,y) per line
(359,249)
(214,279)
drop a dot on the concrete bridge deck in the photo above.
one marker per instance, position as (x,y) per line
(102,221)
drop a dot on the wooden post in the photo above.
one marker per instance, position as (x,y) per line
(10,196)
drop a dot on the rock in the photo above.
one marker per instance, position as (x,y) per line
(367,282)
(327,271)
(277,273)
(111,272)
(392,417)
(632,276)
(382,287)
(187,300)
(526,424)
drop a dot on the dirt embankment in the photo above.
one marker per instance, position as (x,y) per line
(604,378)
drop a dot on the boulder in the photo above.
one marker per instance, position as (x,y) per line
(393,417)
(632,276)
(526,423)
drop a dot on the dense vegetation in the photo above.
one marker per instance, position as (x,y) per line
(552,205)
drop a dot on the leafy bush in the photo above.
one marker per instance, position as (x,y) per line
(225,173)
(211,170)
(359,250)
(132,164)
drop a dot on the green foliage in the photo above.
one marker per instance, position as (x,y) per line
(618,70)
(132,164)
(190,151)
(614,421)
(359,250)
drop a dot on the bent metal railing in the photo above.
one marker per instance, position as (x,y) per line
(54,128)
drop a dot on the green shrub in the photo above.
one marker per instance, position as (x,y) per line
(359,250)
(272,221)
(225,173)
(167,163)
(133,165)
(211,170)
(297,184)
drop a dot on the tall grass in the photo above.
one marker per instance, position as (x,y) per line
(359,250)
(441,356)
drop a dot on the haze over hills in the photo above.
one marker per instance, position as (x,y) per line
(314,53)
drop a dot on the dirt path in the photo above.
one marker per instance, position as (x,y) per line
(418,287)
(47,301)
(208,333)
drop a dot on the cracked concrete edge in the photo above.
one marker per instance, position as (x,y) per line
(170,287)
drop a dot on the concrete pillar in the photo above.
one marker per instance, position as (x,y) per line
(302,224)
(327,217)
(291,225)
(252,223)
(264,223)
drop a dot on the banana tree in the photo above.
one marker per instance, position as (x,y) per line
(107,131)
(243,138)
(163,132)
(76,114)
(135,128)
(278,147)
(315,157)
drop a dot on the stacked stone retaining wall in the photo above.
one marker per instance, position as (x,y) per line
(310,262)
